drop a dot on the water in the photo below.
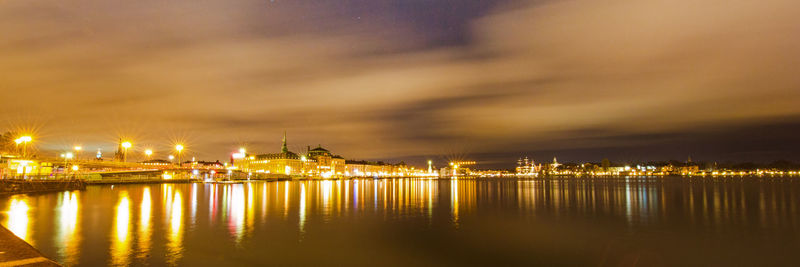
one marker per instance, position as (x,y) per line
(599,222)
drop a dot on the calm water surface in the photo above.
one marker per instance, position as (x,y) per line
(597,222)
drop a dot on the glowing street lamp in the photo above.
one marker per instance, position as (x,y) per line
(67,156)
(179,148)
(125,145)
(77,151)
(24,140)
(148,153)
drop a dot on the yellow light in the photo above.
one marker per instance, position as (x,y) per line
(127,144)
(148,152)
(77,148)
(26,138)
(74,167)
(242,150)
(68,155)
(179,147)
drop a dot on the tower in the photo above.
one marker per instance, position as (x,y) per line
(284,148)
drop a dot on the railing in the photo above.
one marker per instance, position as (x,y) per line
(50,177)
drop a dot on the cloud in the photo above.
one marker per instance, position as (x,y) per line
(375,79)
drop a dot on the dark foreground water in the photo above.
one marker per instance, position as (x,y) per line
(594,222)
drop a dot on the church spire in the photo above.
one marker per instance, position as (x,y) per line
(284,149)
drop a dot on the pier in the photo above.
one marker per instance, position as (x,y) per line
(16,252)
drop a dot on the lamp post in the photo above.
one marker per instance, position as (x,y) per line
(77,151)
(24,140)
(179,148)
(125,146)
(67,156)
(74,170)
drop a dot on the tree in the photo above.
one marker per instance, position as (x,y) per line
(605,164)
(7,143)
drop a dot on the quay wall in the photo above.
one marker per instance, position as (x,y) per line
(17,252)
(20,186)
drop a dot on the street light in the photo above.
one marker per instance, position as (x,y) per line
(67,156)
(77,151)
(148,153)
(126,145)
(179,148)
(24,140)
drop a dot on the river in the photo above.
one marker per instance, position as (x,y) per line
(669,221)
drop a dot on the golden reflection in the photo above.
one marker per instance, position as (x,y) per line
(302,210)
(286,199)
(175,238)
(145,232)
(120,243)
(68,239)
(167,199)
(213,201)
(193,201)
(327,186)
(236,211)
(17,217)
(454,200)
(250,209)
(346,193)
(264,202)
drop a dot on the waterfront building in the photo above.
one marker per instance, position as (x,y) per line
(360,168)
(318,162)
(12,166)
(324,163)
(285,162)
(195,164)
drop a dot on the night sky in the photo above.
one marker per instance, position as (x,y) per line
(409,79)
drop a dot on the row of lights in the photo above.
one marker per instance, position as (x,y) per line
(147,152)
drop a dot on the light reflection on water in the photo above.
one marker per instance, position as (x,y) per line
(144,227)
(120,240)
(17,218)
(400,220)
(68,212)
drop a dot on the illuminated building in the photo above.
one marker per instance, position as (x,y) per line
(326,163)
(285,162)
(17,167)
(318,162)
(360,168)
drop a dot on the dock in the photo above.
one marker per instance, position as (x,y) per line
(23,186)
(16,252)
